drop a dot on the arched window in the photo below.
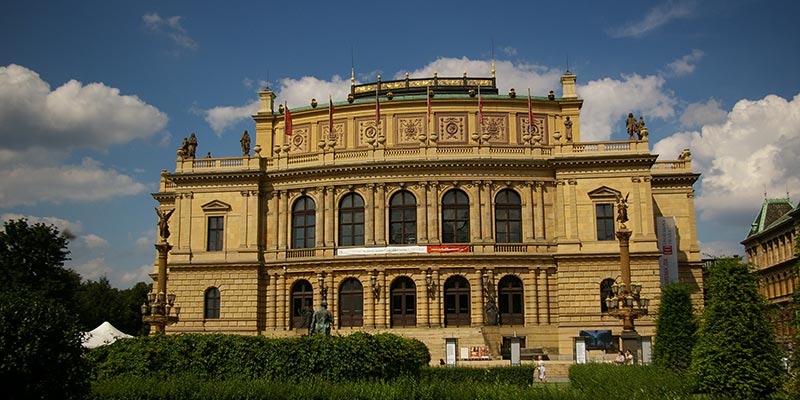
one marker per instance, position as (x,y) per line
(211,303)
(403,218)
(606,291)
(403,302)
(508,217)
(456,301)
(303,223)
(351,220)
(510,296)
(302,304)
(351,303)
(455,217)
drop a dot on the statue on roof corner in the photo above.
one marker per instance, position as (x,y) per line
(631,125)
(568,129)
(245,141)
(192,147)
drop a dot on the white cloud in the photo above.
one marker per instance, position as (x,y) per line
(93,241)
(655,18)
(608,101)
(92,269)
(31,184)
(63,225)
(698,114)
(220,118)
(720,249)
(686,64)
(752,152)
(140,274)
(72,115)
(170,27)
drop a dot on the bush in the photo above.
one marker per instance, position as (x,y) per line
(598,381)
(676,326)
(522,375)
(40,349)
(355,357)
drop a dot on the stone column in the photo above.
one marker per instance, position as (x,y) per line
(647,208)
(319,219)
(330,194)
(283,219)
(272,292)
(637,205)
(433,230)
(572,229)
(423,214)
(541,228)
(186,233)
(487,220)
(283,302)
(380,216)
(473,193)
(244,219)
(369,215)
(272,220)
(561,206)
(177,226)
(529,213)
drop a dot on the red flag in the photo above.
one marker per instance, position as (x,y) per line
(530,112)
(480,107)
(330,116)
(288,122)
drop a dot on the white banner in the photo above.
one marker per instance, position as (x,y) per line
(667,243)
(366,251)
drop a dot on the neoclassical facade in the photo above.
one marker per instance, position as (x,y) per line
(432,208)
(771,245)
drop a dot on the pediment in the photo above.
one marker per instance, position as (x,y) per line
(216,205)
(604,192)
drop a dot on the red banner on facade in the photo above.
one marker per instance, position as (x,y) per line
(449,249)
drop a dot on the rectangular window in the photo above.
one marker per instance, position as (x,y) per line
(605,221)
(216,232)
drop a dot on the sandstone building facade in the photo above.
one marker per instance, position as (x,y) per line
(431,208)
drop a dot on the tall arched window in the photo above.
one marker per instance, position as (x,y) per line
(510,296)
(351,220)
(606,291)
(303,223)
(351,303)
(403,302)
(302,304)
(455,217)
(456,301)
(211,303)
(508,217)
(403,218)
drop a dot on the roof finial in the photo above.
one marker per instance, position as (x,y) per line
(493,71)
(352,67)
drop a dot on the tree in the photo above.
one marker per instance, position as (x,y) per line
(794,357)
(99,302)
(32,260)
(736,354)
(41,356)
(676,326)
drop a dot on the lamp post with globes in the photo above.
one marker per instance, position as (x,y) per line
(626,303)
(159,306)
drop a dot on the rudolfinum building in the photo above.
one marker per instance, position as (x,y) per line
(432,208)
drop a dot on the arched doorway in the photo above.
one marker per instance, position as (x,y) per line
(456,301)
(403,302)
(302,304)
(351,303)
(510,296)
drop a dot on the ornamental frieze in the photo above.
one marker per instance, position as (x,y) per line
(532,133)
(409,127)
(452,128)
(333,138)
(496,125)
(368,131)
(300,138)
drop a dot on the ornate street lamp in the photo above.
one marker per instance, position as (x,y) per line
(627,304)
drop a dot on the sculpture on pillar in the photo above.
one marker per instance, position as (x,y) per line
(321,321)
(163,223)
(641,131)
(183,152)
(568,130)
(245,141)
(622,210)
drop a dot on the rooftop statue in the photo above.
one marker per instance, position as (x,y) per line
(245,141)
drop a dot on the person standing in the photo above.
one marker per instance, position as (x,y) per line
(541,371)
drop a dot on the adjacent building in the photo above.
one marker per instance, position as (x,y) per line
(433,208)
(771,245)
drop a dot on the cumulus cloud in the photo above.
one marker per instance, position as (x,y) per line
(608,101)
(220,118)
(140,274)
(170,27)
(686,64)
(72,115)
(63,225)
(40,127)
(657,17)
(699,114)
(752,151)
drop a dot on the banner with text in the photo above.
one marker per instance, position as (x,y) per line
(668,244)
(368,251)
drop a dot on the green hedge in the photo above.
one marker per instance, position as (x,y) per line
(596,380)
(355,357)
(522,375)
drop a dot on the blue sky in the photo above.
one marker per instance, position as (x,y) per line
(96,96)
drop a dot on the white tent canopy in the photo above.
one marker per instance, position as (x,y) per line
(103,335)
